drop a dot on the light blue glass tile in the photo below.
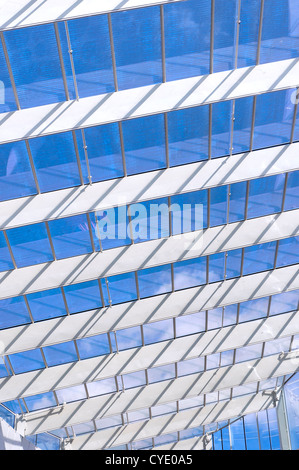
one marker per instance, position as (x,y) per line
(83,428)
(35,64)
(93,346)
(189,212)
(215,318)
(249,353)
(277,346)
(213,361)
(27,361)
(280,37)
(291,396)
(15,407)
(190,324)
(284,302)
(55,161)
(188,132)
(158,374)
(101,387)
(265,196)
(39,402)
(259,258)
(150,220)
(154,281)
(7,99)
(230,314)
(129,338)
(122,288)
(3,370)
(83,296)
(253,309)
(45,441)
(103,151)
(16,179)
(191,366)
(144,142)
(46,304)
(30,245)
(237,200)
(137,45)
(60,353)
(70,236)
(187,39)
(218,205)
(292,192)
(90,44)
(135,379)
(273,427)
(216,267)
(71,394)
(273,119)
(227,358)
(242,124)
(13,312)
(158,331)
(5,259)
(7,416)
(111,228)
(264,429)
(217,440)
(233,263)
(237,435)
(248,33)
(225,32)
(221,129)
(288,251)
(251,432)
(190,273)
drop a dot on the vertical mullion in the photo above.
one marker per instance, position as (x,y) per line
(90,232)
(112,51)
(258,52)
(212,36)
(50,240)
(122,146)
(61,62)
(166,140)
(78,157)
(28,308)
(12,80)
(163,43)
(10,249)
(64,300)
(137,285)
(295,116)
(32,166)
(86,156)
(71,59)
(284,191)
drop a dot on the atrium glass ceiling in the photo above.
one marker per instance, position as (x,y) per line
(89,56)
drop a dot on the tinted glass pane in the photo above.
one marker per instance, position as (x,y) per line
(190,324)
(288,251)
(16,179)
(5,258)
(233,263)
(55,161)
(248,34)
(70,236)
(7,100)
(292,192)
(215,318)
(251,432)
(189,212)
(188,131)
(38,402)
(230,315)
(84,296)
(144,141)
(237,201)
(137,43)
(218,207)
(187,39)
(280,37)
(122,288)
(111,228)
(259,258)
(129,338)
(249,353)
(94,346)
(135,379)
(92,55)
(221,128)
(225,34)
(101,387)
(154,281)
(242,124)
(291,395)
(34,59)
(237,435)
(158,331)
(27,361)
(253,309)
(60,353)
(68,395)
(284,302)
(192,366)
(274,431)
(189,273)
(13,312)
(157,374)
(30,245)
(264,430)
(265,196)
(216,267)
(149,220)
(46,304)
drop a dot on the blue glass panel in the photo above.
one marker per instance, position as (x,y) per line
(93,346)
(263,429)
(55,161)
(38,402)
(7,416)
(3,371)
(248,34)
(187,39)
(291,395)
(70,236)
(60,353)
(91,54)
(221,128)
(27,361)
(166,439)
(15,407)
(190,324)
(150,220)
(237,435)
(253,309)
(284,302)
(216,267)
(189,273)
(111,227)
(227,358)
(16,179)
(225,34)
(83,296)
(230,314)
(46,304)
(158,331)
(242,124)
(13,312)
(101,387)
(122,288)
(237,201)
(273,427)
(265,196)
(137,44)
(218,207)
(129,338)
(225,439)
(160,410)
(135,379)
(189,211)
(215,318)
(71,394)
(109,422)
(154,281)
(249,353)
(251,432)
(276,346)
(273,119)
(292,192)
(188,132)
(192,366)
(5,258)
(217,440)
(7,100)
(259,258)
(30,245)
(35,64)
(280,36)
(158,374)
(233,263)
(288,251)
(104,152)
(213,361)
(47,442)
(83,428)
(144,142)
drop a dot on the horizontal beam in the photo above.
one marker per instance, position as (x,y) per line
(150,185)
(166,424)
(148,310)
(148,100)
(167,391)
(21,13)
(185,348)
(148,254)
